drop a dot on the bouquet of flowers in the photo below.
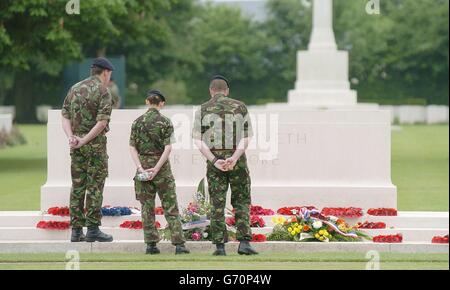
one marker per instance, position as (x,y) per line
(293,210)
(196,218)
(311,225)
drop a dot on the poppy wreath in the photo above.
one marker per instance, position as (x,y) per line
(398,238)
(382,211)
(293,210)
(53,225)
(371,225)
(258,210)
(136,225)
(116,211)
(350,212)
(259,238)
(440,240)
(59,211)
(255,221)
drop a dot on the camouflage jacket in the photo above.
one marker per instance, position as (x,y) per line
(86,103)
(151,132)
(222,122)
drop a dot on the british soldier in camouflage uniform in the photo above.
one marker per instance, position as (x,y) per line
(150,146)
(222,131)
(86,113)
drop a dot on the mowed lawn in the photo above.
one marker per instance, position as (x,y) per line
(197,261)
(420,168)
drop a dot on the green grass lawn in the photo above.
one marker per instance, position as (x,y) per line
(23,170)
(264,261)
(420,168)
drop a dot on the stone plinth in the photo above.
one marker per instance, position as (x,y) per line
(318,157)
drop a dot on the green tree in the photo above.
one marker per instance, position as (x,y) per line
(401,53)
(38,38)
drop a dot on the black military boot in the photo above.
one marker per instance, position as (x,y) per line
(94,234)
(152,249)
(77,235)
(220,250)
(246,249)
(181,249)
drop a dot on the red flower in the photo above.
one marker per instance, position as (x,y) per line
(258,210)
(351,212)
(53,225)
(257,221)
(289,210)
(371,225)
(440,240)
(230,221)
(382,211)
(59,211)
(258,238)
(159,211)
(398,238)
(132,225)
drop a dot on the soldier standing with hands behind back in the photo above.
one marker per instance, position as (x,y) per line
(86,113)
(222,131)
(150,147)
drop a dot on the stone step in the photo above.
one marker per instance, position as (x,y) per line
(124,246)
(32,233)
(403,220)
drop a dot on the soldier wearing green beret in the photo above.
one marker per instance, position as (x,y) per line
(86,113)
(150,147)
(222,131)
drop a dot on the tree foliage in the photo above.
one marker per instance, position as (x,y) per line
(178,44)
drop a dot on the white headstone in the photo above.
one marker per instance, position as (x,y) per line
(322,70)
(437,114)
(8,110)
(6,122)
(412,114)
(42,113)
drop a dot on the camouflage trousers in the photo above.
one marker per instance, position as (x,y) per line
(89,169)
(162,184)
(239,181)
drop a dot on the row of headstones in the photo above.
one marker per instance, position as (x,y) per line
(411,114)
(406,114)
(41,112)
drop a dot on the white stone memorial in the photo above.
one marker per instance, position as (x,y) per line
(322,70)
(321,149)
(324,158)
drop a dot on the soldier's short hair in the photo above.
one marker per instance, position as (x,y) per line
(154,99)
(218,85)
(96,70)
